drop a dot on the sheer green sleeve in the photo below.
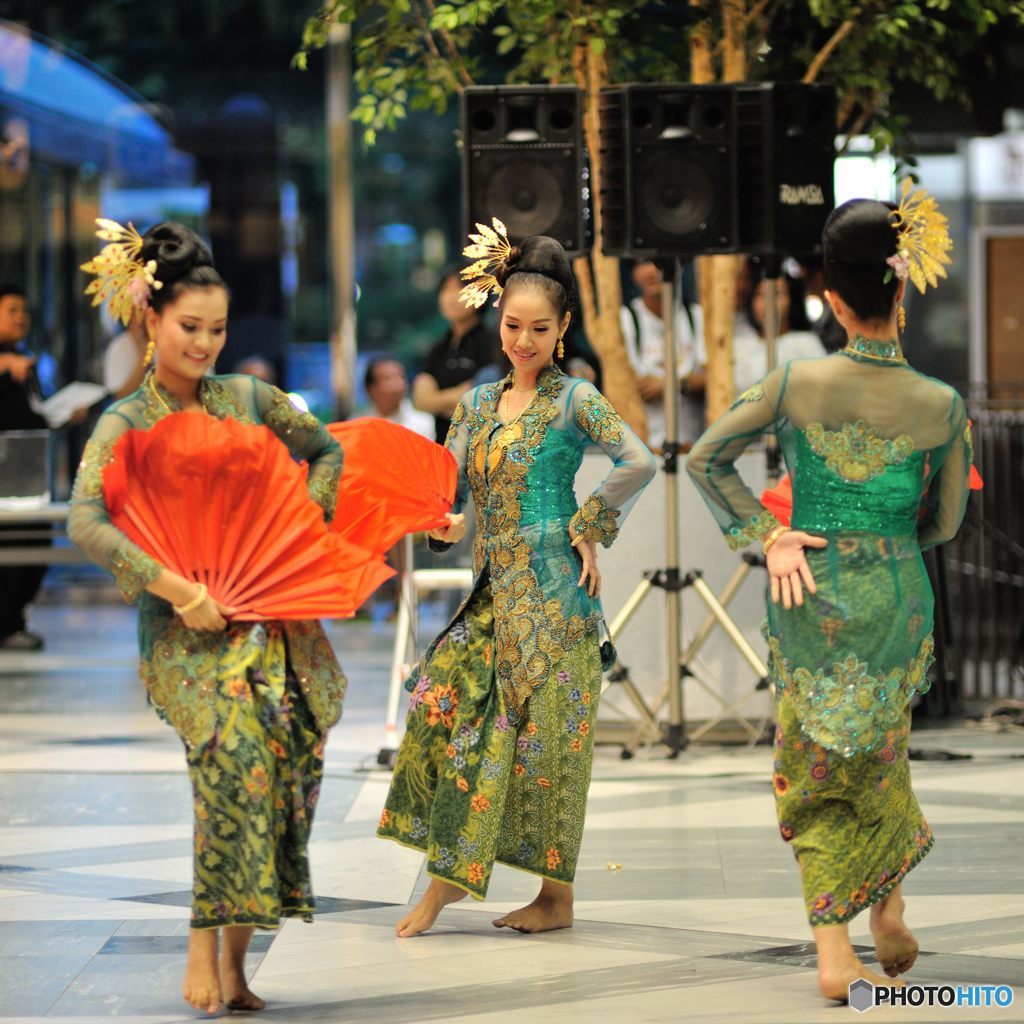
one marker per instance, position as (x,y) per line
(307,438)
(89,524)
(711,463)
(457,442)
(946,500)
(600,516)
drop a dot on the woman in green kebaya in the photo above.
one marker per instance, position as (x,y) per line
(879,457)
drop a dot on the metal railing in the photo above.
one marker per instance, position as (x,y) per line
(982,569)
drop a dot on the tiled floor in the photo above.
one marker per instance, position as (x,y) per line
(703,922)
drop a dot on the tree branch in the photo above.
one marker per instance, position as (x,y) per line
(424,25)
(734,24)
(702,67)
(867,112)
(453,50)
(829,48)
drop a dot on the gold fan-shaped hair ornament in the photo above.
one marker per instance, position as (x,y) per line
(122,279)
(487,249)
(923,242)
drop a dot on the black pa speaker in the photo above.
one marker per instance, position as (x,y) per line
(668,170)
(522,161)
(786,139)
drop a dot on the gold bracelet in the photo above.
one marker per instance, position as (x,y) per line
(773,537)
(194,603)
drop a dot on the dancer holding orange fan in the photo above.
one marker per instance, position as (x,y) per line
(495,762)
(252,701)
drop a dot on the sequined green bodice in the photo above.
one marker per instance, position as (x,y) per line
(853,479)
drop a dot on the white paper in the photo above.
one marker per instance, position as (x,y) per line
(59,408)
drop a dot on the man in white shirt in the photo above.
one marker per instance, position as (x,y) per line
(387,387)
(644,333)
(795,338)
(123,366)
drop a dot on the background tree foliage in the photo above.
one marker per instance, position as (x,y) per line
(416,54)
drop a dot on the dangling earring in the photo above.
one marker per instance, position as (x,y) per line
(560,349)
(901,317)
(150,350)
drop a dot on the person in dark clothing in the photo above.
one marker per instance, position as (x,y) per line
(19,584)
(453,363)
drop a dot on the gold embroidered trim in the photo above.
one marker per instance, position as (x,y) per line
(282,417)
(323,489)
(133,570)
(857,452)
(752,394)
(596,521)
(755,528)
(599,420)
(96,456)
(849,709)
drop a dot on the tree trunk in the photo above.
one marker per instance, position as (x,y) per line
(598,275)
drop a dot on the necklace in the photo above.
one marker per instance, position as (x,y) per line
(160,398)
(508,433)
(873,348)
(156,393)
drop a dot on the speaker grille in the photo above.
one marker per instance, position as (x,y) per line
(669,175)
(523,161)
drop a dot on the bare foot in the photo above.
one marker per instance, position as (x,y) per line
(438,895)
(234,988)
(236,991)
(895,945)
(201,987)
(551,909)
(835,977)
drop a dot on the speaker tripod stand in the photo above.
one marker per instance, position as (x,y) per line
(673,582)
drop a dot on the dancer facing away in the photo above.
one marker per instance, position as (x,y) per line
(252,702)
(879,456)
(495,762)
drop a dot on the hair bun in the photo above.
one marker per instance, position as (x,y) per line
(508,266)
(176,249)
(860,231)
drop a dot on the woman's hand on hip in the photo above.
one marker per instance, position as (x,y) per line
(587,550)
(788,568)
(453,532)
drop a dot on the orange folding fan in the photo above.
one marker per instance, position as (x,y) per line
(394,482)
(224,503)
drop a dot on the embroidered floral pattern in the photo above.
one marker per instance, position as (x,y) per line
(755,528)
(133,570)
(498,464)
(253,868)
(596,521)
(95,458)
(849,709)
(857,452)
(283,418)
(853,823)
(599,420)
(469,789)
(875,349)
(323,488)
(752,394)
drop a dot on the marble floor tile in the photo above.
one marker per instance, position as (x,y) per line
(698,919)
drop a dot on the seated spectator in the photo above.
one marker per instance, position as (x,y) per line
(795,338)
(387,387)
(643,331)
